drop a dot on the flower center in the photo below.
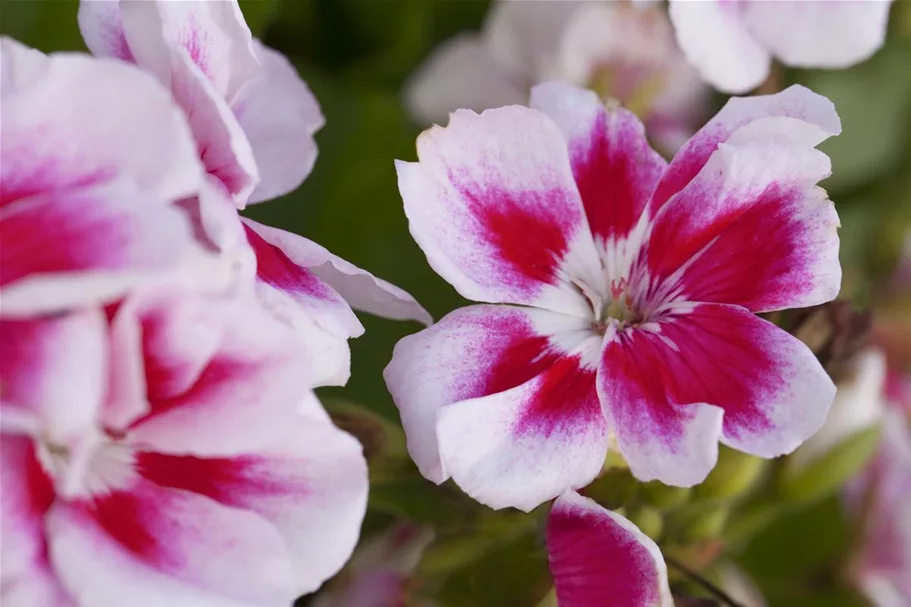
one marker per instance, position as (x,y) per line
(619,310)
(88,467)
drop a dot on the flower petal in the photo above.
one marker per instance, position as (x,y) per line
(241,362)
(819,34)
(470,353)
(86,245)
(460,74)
(665,384)
(715,37)
(53,371)
(812,121)
(26,494)
(203,53)
(165,546)
(310,481)
(493,204)
(751,229)
(279,115)
(277,269)
(101,25)
(360,289)
(70,120)
(529,444)
(599,558)
(613,165)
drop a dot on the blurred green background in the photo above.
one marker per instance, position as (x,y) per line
(356,54)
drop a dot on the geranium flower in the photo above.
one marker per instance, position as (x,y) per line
(254,120)
(634,286)
(733,42)
(617,49)
(86,190)
(877,501)
(170,452)
(598,558)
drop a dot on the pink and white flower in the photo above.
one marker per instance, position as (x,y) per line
(877,500)
(254,120)
(733,42)
(633,286)
(617,49)
(86,191)
(598,558)
(169,452)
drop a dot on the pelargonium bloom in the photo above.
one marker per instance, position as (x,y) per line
(86,190)
(633,286)
(733,42)
(599,559)
(169,452)
(877,500)
(254,120)
(617,49)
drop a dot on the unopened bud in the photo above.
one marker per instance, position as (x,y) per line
(734,474)
(663,496)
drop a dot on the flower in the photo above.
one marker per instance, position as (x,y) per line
(169,452)
(599,558)
(633,286)
(254,120)
(380,571)
(86,191)
(617,49)
(732,42)
(859,405)
(876,500)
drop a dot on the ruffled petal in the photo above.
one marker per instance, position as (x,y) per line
(493,204)
(360,289)
(163,546)
(204,55)
(69,120)
(460,74)
(26,493)
(819,34)
(717,40)
(614,167)
(471,353)
(87,245)
(600,559)
(241,363)
(309,481)
(279,115)
(53,373)
(665,384)
(810,120)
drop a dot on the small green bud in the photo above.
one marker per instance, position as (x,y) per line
(649,520)
(662,496)
(734,474)
(698,521)
(614,488)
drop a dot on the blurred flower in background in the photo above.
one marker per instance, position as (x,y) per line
(733,42)
(616,48)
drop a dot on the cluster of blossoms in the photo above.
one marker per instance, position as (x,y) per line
(161,442)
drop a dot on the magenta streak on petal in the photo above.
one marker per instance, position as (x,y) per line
(762,260)
(195,44)
(616,173)
(684,230)
(207,391)
(718,361)
(47,176)
(57,232)
(232,481)
(566,393)
(531,243)
(274,268)
(597,563)
(687,164)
